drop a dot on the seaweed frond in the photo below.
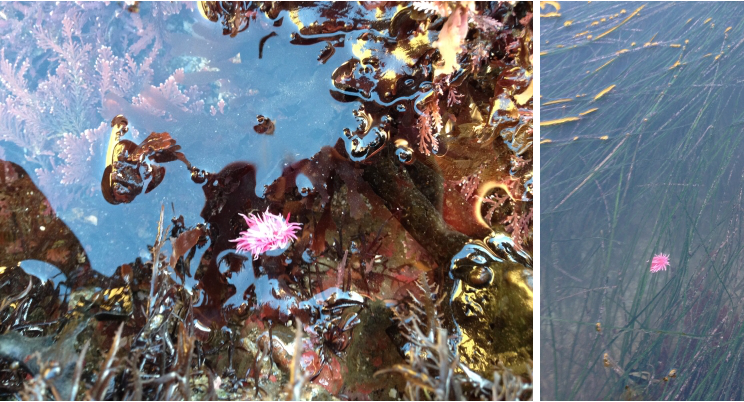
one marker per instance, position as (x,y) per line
(431,363)
(433,370)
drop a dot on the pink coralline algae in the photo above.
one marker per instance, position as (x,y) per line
(58,82)
(660,262)
(266,232)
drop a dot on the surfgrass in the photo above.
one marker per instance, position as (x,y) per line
(656,168)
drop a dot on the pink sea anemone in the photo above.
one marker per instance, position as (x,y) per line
(266,232)
(660,262)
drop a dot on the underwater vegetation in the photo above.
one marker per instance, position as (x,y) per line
(350,192)
(641,219)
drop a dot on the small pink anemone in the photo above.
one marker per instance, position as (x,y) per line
(660,262)
(266,232)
